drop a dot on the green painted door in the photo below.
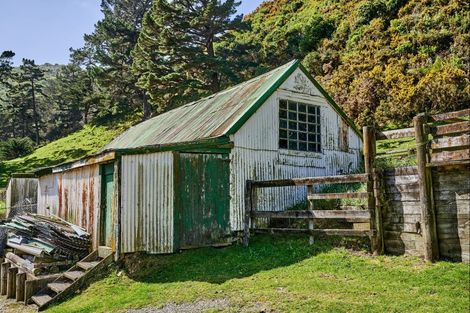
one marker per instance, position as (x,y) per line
(202,199)
(106,216)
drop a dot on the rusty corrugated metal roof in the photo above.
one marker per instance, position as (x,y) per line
(210,117)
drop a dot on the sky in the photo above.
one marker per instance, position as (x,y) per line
(44,30)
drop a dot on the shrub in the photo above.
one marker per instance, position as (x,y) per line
(15,147)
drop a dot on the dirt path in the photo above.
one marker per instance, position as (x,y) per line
(193,307)
(11,306)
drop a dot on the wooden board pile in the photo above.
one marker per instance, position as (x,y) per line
(45,244)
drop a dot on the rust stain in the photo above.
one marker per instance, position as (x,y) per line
(91,209)
(84,212)
(60,196)
(66,202)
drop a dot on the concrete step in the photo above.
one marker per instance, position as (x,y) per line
(58,287)
(87,265)
(41,299)
(103,251)
(74,275)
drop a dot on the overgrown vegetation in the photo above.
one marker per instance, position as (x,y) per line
(79,144)
(279,274)
(382,60)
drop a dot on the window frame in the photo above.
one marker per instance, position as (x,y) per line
(305,117)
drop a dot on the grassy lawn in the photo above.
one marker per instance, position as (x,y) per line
(75,146)
(279,274)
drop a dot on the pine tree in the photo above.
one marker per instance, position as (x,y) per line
(107,56)
(30,79)
(177,56)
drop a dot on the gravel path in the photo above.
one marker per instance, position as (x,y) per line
(193,307)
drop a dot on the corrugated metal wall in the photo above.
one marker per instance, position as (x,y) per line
(21,192)
(147,194)
(256,156)
(73,195)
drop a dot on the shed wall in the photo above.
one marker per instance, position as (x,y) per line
(73,195)
(256,154)
(147,194)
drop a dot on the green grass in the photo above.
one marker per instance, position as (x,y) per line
(281,274)
(75,146)
(395,160)
(3,208)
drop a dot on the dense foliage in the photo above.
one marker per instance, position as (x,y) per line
(382,60)
(176,56)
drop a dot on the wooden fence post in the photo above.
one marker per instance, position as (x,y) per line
(310,192)
(11,282)
(4,275)
(20,282)
(375,214)
(248,209)
(428,225)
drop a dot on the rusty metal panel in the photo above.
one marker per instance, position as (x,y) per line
(21,192)
(256,154)
(73,195)
(147,194)
(207,118)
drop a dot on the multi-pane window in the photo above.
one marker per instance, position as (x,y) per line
(299,126)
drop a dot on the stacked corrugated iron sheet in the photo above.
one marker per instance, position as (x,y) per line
(51,237)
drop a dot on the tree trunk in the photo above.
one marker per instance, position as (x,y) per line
(214,83)
(147,108)
(35,112)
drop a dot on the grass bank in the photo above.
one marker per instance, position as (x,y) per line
(75,146)
(281,274)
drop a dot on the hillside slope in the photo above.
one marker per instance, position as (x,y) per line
(380,59)
(75,146)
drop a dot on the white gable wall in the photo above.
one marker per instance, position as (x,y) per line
(256,155)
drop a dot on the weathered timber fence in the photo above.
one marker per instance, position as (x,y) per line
(421,210)
(414,195)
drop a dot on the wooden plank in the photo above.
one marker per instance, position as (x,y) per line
(338,179)
(399,171)
(396,133)
(401,180)
(315,214)
(327,232)
(398,151)
(451,129)
(446,156)
(343,195)
(450,115)
(457,163)
(462,141)
(402,196)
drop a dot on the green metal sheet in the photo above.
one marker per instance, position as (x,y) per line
(202,193)
(106,218)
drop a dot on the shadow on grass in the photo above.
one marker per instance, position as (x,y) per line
(217,265)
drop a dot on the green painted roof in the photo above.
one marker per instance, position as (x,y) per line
(220,114)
